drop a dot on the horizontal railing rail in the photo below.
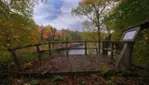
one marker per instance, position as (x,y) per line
(110,46)
(51,42)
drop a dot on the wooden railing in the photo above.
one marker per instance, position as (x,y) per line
(110,45)
(63,45)
(106,46)
(125,53)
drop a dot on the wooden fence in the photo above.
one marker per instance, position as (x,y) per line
(106,46)
(63,45)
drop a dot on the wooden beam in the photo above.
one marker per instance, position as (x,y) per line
(130,52)
(85,47)
(38,52)
(100,73)
(125,59)
(112,51)
(15,59)
(67,48)
(121,56)
(105,48)
(49,45)
(117,41)
(52,42)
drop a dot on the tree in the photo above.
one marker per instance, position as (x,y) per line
(16,26)
(59,35)
(49,32)
(53,33)
(65,35)
(128,13)
(75,35)
(94,10)
(18,32)
(23,7)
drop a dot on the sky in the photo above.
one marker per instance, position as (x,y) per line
(57,13)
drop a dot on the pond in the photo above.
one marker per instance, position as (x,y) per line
(77,51)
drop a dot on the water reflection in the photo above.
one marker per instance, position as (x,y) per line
(77,51)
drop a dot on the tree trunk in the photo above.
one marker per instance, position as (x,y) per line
(98,26)
(99,39)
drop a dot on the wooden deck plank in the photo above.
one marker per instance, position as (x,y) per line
(70,64)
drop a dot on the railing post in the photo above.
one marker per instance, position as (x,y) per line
(38,52)
(15,59)
(103,47)
(126,55)
(85,47)
(130,46)
(67,48)
(112,50)
(96,49)
(49,44)
(99,46)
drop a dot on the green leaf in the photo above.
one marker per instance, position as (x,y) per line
(34,82)
(59,78)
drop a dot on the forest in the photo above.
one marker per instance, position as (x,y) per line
(100,19)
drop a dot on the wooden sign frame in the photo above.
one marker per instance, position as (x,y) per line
(137,29)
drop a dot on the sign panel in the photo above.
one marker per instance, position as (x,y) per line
(130,34)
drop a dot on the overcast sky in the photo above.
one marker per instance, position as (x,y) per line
(58,14)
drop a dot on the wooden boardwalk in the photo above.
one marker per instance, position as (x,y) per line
(69,64)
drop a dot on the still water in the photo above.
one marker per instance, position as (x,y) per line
(77,51)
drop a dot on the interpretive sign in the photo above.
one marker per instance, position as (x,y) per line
(131,34)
